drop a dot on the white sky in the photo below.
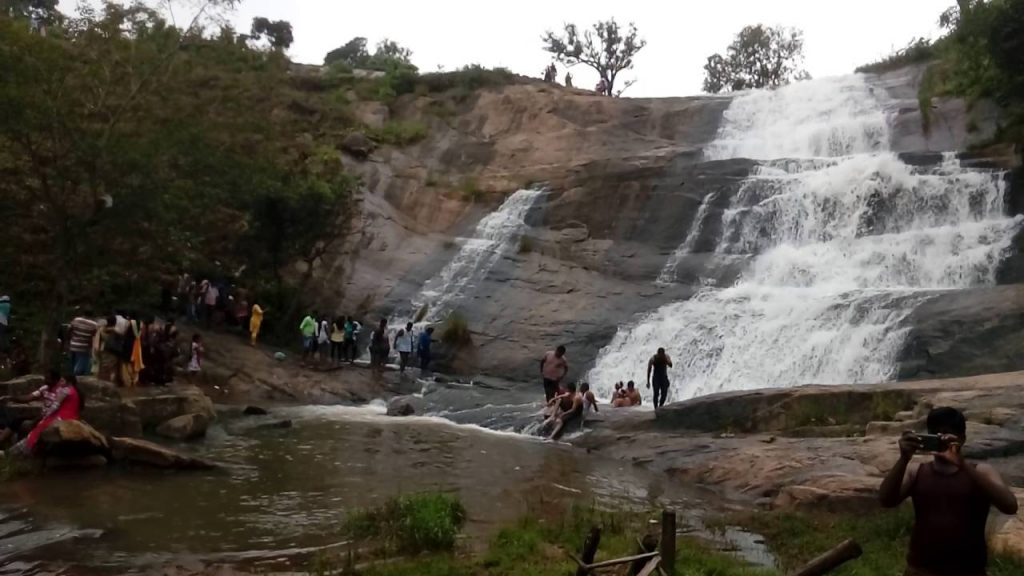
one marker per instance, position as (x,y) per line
(680,34)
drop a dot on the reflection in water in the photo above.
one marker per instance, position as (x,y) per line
(288,490)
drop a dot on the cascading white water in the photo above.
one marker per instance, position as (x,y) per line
(668,272)
(494,236)
(847,239)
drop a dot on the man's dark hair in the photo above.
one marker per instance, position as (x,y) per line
(571,386)
(560,350)
(630,385)
(584,387)
(947,420)
(430,330)
(661,351)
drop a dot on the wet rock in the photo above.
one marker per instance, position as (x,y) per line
(82,462)
(254,411)
(400,407)
(185,427)
(279,425)
(142,452)
(158,405)
(72,439)
(357,145)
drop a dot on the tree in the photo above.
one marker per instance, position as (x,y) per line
(759,57)
(353,53)
(41,11)
(390,50)
(278,33)
(604,49)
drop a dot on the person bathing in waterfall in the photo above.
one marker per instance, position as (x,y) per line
(951,497)
(659,365)
(553,368)
(62,400)
(571,409)
(589,400)
(632,395)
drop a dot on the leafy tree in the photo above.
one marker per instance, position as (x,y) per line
(759,57)
(605,49)
(353,53)
(278,33)
(42,11)
(390,50)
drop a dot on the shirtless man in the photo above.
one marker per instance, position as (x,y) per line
(659,365)
(553,368)
(632,394)
(570,416)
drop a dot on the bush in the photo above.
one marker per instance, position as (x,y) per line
(399,133)
(427,522)
(456,331)
(468,78)
(917,51)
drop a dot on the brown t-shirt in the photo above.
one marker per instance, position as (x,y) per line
(554,367)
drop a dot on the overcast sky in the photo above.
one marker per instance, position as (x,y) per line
(680,34)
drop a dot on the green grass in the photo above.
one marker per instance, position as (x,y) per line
(428,522)
(917,51)
(399,133)
(796,538)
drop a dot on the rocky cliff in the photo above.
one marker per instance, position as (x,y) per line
(625,179)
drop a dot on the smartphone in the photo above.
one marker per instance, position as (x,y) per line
(932,443)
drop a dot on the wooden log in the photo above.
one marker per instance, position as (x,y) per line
(589,551)
(831,560)
(668,542)
(651,567)
(642,558)
(648,544)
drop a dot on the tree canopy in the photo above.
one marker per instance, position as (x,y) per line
(387,55)
(606,48)
(278,33)
(759,57)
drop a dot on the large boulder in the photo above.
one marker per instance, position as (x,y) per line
(158,405)
(184,427)
(142,452)
(72,439)
(358,145)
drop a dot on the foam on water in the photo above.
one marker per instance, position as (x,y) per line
(847,240)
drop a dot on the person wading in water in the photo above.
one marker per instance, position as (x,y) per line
(553,367)
(659,365)
(951,499)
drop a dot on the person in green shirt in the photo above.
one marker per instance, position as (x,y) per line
(308,329)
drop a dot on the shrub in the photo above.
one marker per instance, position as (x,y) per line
(469,78)
(456,331)
(399,133)
(427,522)
(471,192)
(917,51)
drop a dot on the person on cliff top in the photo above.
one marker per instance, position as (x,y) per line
(553,368)
(951,500)
(570,415)
(568,80)
(659,365)
(404,344)
(308,329)
(632,394)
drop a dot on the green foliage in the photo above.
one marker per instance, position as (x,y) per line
(760,57)
(917,51)
(470,190)
(278,33)
(428,522)
(455,331)
(469,78)
(796,538)
(399,133)
(388,55)
(606,48)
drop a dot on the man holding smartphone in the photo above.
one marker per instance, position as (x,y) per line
(951,499)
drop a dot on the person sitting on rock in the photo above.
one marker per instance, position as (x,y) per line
(589,400)
(567,416)
(951,499)
(619,399)
(632,394)
(61,401)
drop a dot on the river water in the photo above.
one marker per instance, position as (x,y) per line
(284,492)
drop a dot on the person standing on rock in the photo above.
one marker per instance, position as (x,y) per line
(553,367)
(951,499)
(5,318)
(255,322)
(423,349)
(379,346)
(404,344)
(308,329)
(658,365)
(82,342)
(349,345)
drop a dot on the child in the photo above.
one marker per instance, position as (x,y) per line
(195,363)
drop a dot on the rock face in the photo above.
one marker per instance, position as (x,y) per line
(185,427)
(72,439)
(160,404)
(401,406)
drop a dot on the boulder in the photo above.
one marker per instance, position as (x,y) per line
(72,439)
(401,406)
(61,463)
(158,405)
(357,145)
(255,411)
(834,493)
(142,452)
(184,427)
(894,428)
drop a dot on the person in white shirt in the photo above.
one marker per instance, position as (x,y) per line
(404,342)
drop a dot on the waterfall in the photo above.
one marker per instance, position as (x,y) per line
(847,239)
(668,272)
(495,235)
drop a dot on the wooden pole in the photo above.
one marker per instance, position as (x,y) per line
(831,560)
(648,544)
(668,541)
(589,550)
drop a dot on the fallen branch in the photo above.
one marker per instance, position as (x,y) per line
(831,560)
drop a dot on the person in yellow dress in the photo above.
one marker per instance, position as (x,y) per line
(255,319)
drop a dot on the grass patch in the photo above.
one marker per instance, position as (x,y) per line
(470,190)
(917,51)
(796,538)
(399,133)
(456,332)
(428,522)
(468,78)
